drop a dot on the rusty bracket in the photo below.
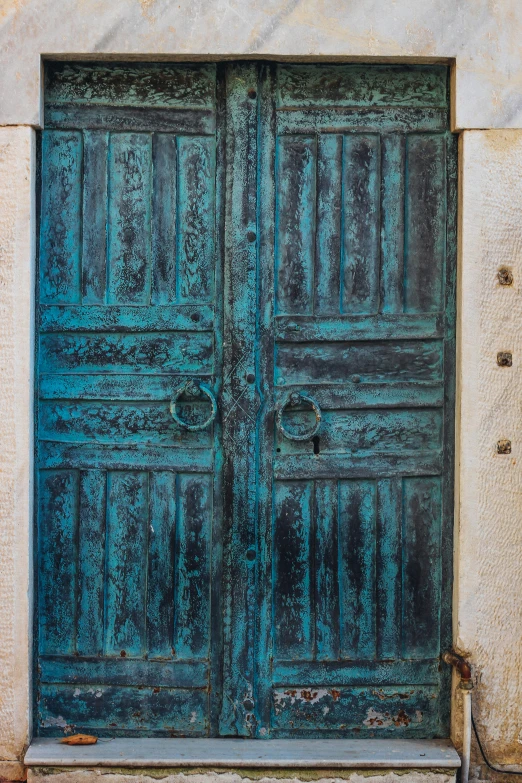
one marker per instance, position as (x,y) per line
(505,276)
(505,359)
(503,446)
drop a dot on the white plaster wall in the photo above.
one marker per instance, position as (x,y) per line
(488,611)
(483,35)
(16,361)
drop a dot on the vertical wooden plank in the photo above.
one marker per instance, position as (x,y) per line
(265,377)
(361,205)
(196,206)
(160,585)
(164,218)
(94,226)
(60,222)
(292,571)
(326,571)
(392,223)
(130,166)
(192,566)
(425,223)
(126,568)
(421,567)
(448,500)
(328,235)
(357,512)
(91,562)
(389,558)
(239,400)
(295,220)
(57,549)
(216,554)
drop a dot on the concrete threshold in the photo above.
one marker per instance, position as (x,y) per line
(236,753)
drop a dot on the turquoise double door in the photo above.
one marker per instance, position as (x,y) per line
(245,390)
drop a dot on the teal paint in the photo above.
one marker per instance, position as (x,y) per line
(239,402)
(129,312)
(260,229)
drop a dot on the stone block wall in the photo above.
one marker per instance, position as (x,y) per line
(16,448)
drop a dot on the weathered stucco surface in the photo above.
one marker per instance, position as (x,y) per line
(16,360)
(488,610)
(483,35)
(49,775)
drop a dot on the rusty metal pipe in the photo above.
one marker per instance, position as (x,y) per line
(462,666)
(466,685)
(466,736)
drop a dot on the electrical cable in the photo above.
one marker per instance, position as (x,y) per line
(488,763)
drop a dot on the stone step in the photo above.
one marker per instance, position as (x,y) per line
(241,761)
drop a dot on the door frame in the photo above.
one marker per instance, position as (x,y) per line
(234,216)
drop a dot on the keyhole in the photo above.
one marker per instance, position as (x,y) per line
(315,441)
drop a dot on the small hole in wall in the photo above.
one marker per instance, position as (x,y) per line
(315,441)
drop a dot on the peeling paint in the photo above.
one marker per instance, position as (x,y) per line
(383,720)
(308,695)
(382,695)
(58,722)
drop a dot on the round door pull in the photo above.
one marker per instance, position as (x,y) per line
(293,399)
(194,387)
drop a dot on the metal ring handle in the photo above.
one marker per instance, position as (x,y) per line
(293,399)
(193,387)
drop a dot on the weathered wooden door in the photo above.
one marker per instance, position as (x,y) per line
(130,310)
(245,400)
(359,171)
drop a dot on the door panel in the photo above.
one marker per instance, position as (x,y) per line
(264,230)
(240,402)
(357,538)
(129,268)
